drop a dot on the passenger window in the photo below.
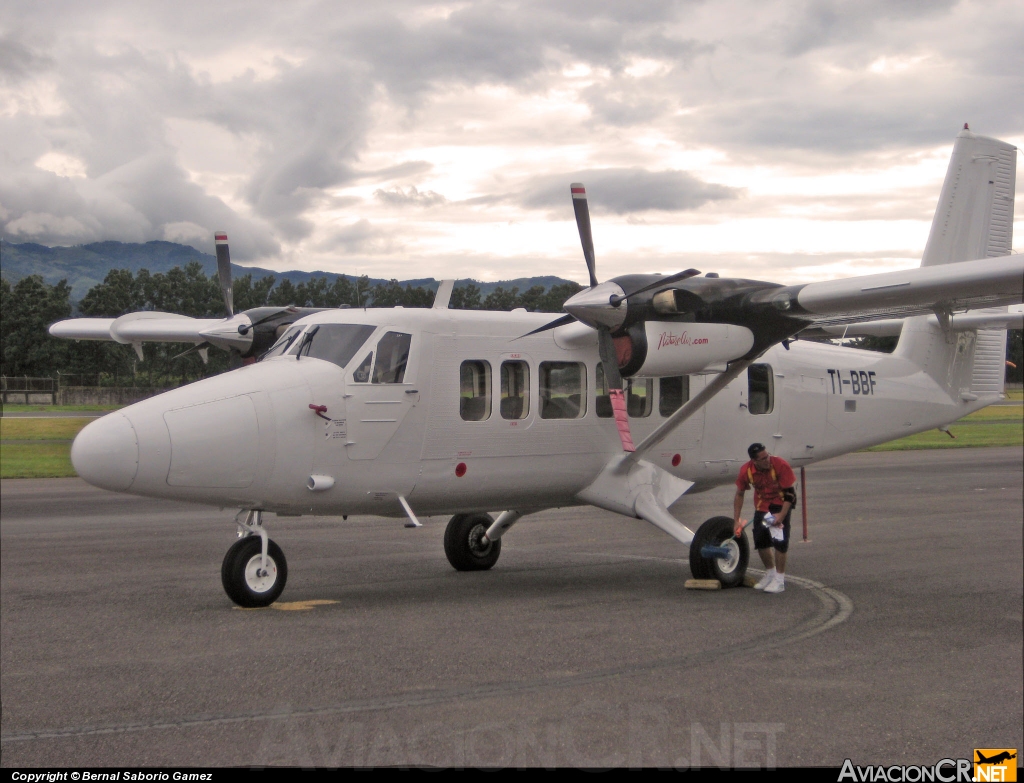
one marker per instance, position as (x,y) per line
(602,402)
(563,388)
(336,343)
(760,389)
(515,390)
(362,372)
(475,391)
(673,393)
(392,358)
(639,397)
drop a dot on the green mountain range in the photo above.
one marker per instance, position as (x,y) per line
(83,266)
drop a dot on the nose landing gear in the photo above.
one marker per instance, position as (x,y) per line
(254,571)
(466,544)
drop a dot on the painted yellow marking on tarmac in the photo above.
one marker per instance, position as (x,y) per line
(289,606)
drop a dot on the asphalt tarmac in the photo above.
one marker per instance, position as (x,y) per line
(898,639)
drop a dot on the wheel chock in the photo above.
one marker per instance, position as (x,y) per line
(702,584)
(749,581)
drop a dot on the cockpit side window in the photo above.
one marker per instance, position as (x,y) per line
(283,343)
(337,343)
(362,373)
(392,358)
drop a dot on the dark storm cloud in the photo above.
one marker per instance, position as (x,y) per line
(768,83)
(17,60)
(626,190)
(508,43)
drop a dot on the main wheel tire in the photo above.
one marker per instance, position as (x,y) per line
(243,577)
(718,531)
(463,543)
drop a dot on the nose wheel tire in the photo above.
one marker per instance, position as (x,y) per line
(246,581)
(465,544)
(730,570)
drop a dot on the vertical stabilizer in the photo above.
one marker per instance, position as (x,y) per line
(974,216)
(973,219)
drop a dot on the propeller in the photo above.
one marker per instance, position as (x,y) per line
(224,271)
(201,348)
(605,343)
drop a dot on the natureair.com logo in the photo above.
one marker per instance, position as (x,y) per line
(667,338)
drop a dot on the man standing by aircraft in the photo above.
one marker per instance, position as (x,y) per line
(774,497)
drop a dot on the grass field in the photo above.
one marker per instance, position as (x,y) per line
(41,448)
(9,408)
(37,448)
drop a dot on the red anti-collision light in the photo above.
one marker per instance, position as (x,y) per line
(676,459)
(460,469)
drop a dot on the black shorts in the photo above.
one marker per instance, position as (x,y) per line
(763,539)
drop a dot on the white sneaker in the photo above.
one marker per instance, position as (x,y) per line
(777,585)
(765,580)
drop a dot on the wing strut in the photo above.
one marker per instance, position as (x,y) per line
(691,407)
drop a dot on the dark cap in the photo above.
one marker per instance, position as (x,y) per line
(755,449)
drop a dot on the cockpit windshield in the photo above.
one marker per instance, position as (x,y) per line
(283,343)
(335,343)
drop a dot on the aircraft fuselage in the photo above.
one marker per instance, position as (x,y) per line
(474,419)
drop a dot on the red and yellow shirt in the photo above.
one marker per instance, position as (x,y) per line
(768,484)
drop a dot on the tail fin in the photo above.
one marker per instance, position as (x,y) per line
(974,216)
(973,219)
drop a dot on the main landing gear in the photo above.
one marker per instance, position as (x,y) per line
(727,555)
(466,544)
(254,570)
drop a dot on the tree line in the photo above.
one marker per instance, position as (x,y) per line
(28,307)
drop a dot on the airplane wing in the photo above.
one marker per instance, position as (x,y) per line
(137,328)
(893,327)
(987,282)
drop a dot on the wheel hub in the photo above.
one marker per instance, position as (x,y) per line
(258,578)
(728,564)
(477,544)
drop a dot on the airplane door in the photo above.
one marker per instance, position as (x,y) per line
(803,415)
(746,410)
(380,393)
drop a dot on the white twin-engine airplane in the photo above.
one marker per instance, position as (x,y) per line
(407,412)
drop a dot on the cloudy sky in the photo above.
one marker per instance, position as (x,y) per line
(787,140)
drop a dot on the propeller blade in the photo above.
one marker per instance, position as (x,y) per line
(579,205)
(612,377)
(663,281)
(561,321)
(224,271)
(201,349)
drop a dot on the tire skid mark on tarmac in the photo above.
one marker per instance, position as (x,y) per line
(834,609)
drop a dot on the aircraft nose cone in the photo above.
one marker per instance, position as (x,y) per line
(106,453)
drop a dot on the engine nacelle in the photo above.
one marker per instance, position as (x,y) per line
(663,349)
